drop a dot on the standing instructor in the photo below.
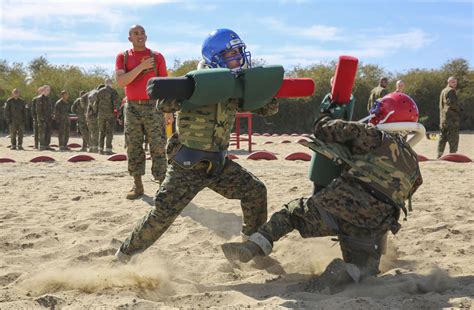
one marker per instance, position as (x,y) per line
(133,69)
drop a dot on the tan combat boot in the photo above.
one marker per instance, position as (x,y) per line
(137,189)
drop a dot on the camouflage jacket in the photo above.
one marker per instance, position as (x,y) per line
(33,107)
(43,109)
(61,111)
(376,93)
(383,163)
(79,107)
(448,104)
(15,110)
(107,99)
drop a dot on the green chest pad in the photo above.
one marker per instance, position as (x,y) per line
(255,87)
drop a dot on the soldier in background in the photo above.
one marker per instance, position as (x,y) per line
(43,118)
(15,114)
(79,108)
(378,92)
(61,116)
(400,86)
(449,117)
(107,99)
(33,116)
(91,117)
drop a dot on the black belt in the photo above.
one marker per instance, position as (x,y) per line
(188,158)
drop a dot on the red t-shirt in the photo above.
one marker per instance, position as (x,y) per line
(136,90)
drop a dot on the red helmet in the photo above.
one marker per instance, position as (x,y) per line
(393,108)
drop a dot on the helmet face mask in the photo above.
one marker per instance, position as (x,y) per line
(218,44)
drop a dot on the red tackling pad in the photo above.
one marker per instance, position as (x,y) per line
(344,79)
(301,87)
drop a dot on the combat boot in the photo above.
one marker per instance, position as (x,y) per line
(121,257)
(335,277)
(137,189)
(13,147)
(21,148)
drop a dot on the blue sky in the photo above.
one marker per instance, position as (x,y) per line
(397,35)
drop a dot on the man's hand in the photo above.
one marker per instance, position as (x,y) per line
(147,64)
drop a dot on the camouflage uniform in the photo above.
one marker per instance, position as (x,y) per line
(79,107)
(15,114)
(35,120)
(197,160)
(43,120)
(3,123)
(92,122)
(449,120)
(323,170)
(362,204)
(106,103)
(145,120)
(61,115)
(376,93)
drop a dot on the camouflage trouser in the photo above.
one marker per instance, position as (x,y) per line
(44,133)
(16,129)
(63,132)
(357,214)
(449,134)
(140,121)
(106,132)
(82,126)
(49,131)
(93,126)
(35,133)
(182,185)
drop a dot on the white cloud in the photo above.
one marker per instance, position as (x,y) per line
(317,32)
(364,47)
(109,12)
(180,28)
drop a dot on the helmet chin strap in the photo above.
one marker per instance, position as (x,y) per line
(367,118)
(386,117)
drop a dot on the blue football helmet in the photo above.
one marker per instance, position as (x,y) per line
(220,41)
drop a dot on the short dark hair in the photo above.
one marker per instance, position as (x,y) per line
(133,27)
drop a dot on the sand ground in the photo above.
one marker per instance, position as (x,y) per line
(61,223)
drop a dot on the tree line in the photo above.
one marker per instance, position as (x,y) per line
(423,85)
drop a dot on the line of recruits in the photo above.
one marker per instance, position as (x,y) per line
(95,112)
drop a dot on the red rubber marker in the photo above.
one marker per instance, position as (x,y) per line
(40,159)
(455,157)
(298,87)
(80,157)
(117,157)
(262,155)
(422,158)
(298,156)
(232,156)
(344,78)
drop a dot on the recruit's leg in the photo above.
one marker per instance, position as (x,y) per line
(235,182)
